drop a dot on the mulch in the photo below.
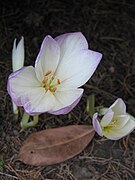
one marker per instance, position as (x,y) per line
(109,27)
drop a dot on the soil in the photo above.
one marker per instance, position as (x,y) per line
(109,27)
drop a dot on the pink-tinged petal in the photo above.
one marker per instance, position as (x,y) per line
(26,91)
(115,134)
(107,118)
(118,107)
(23,78)
(48,57)
(70,43)
(66,101)
(39,101)
(21,83)
(78,68)
(12,75)
(96,124)
(66,109)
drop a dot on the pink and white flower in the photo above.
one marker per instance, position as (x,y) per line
(62,66)
(116,123)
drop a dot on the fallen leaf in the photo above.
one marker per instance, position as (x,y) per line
(52,146)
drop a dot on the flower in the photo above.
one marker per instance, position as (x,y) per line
(62,66)
(18,55)
(116,123)
(17,62)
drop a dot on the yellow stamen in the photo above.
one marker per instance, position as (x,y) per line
(50,82)
(111,125)
(46,88)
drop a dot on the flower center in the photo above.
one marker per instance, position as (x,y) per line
(111,125)
(50,82)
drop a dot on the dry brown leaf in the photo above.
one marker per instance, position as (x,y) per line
(55,145)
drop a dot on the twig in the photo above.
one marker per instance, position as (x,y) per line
(119,164)
(8,175)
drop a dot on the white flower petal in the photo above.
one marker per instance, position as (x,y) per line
(96,124)
(77,68)
(18,55)
(107,118)
(131,117)
(111,135)
(118,107)
(103,111)
(22,82)
(118,134)
(70,43)
(27,91)
(66,101)
(121,120)
(39,101)
(48,57)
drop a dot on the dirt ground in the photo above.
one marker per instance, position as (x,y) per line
(109,27)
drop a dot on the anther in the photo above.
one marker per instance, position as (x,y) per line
(58,81)
(48,72)
(45,80)
(54,89)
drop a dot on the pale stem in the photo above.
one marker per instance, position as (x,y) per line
(25,121)
(15,108)
(90,108)
(15,111)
